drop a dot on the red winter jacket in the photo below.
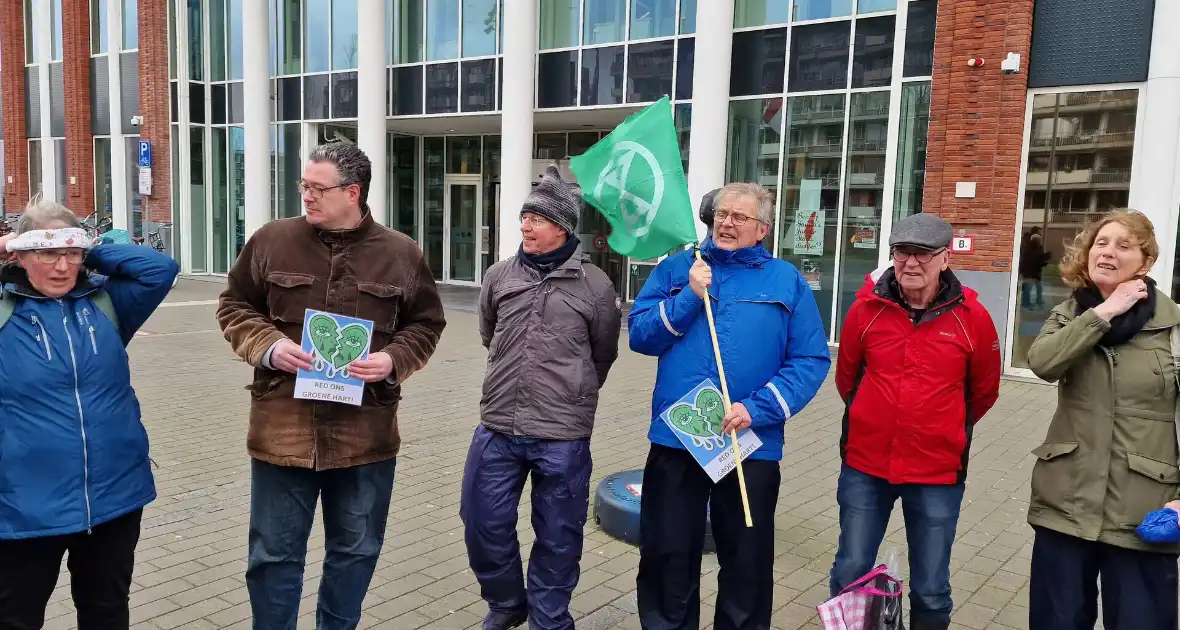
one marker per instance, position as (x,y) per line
(914,391)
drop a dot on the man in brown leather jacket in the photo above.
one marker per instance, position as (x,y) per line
(335,259)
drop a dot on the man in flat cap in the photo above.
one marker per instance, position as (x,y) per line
(919,365)
(550,320)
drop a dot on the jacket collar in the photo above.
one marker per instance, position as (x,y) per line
(753,256)
(1167,313)
(15,280)
(571,268)
(351,236)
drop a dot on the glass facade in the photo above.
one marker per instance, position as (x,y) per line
(1079,166)
(560,21)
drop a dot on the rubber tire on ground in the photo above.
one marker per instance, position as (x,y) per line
(616,508)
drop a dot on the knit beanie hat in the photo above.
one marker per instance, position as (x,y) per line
(556,200)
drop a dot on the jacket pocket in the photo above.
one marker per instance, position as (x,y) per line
(379,303)
(288,295)
(262,388)
(1149,486)
(1053,477)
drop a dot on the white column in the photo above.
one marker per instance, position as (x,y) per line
(710,101)
(44,46)
(371,99)
(1155,187)
(256,74)
(892,148)
(516,151)
(120,196)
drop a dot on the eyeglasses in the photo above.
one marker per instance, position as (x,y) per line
(535,220)
(739,219)
(901,255)
(51,256)
(316,191)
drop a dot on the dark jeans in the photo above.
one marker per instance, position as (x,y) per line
(1027,285)
(931,514)
(493,480)
(282,508)
(100,565)
(676,495)
(1138,587)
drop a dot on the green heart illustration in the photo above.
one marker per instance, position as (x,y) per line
(354,338)
(324,336)
(701,420)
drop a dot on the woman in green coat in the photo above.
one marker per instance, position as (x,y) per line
(1111,453)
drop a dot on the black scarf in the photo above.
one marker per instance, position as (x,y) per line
(546,262)
(1124,326)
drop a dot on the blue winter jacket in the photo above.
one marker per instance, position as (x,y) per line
(772,338)
(73,451)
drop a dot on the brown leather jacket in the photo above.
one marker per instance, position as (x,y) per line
(370,272)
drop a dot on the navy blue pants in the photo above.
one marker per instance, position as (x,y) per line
(678,497)
(931,515)
(1138,587)
(493,480)
(282,508)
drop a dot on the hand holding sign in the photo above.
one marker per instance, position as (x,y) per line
(339,366)
(289,357)
(372,369)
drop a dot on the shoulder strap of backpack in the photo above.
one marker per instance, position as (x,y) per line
(102,300)
(7,305)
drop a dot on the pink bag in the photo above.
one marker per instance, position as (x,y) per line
(872,602)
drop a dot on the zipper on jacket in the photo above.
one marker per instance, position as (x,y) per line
(84,320)
(43,338)
(65,321)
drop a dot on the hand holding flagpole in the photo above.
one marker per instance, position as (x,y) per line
(737,449)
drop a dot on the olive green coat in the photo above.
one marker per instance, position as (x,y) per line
(1111,454)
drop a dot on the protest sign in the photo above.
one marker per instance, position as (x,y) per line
(334,341)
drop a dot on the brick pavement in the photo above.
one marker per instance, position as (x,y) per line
(191,560)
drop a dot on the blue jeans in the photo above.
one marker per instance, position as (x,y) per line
(1026,293)
(282,508)
(931,514)
(493,480)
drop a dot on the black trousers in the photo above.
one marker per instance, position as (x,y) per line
(676,493)
(1138,587)
(100,565)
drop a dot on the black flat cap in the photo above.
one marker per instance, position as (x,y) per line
(925,231)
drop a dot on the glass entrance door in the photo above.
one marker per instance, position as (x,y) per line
(464,208)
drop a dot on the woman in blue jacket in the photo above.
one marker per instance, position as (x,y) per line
(74,468)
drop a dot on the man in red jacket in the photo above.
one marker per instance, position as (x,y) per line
(919,365)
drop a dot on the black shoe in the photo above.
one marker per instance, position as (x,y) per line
(504,620)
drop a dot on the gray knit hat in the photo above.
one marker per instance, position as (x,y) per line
(556,200)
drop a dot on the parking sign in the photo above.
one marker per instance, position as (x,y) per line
(145,154)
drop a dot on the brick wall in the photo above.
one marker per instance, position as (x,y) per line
(977,124)
(154,101)
(75,26)
(12,86)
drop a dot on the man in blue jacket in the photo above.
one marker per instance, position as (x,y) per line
(776,357)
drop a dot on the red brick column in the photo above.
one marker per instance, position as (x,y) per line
(75,27)
(154,102)
(977,123)
(12,85)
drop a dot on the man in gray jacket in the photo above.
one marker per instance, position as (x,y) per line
(550,321)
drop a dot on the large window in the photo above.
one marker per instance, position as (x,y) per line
(288,36)
(479,28)
(407,31)
(131,24)
(55,25)
(808,223)
(754,139)
(559,23)
(442,30)
(220,190)
(344,34)
(759,12)
(653,18)
(403,184)
(217,39)
(102,177)
(1079,167)
(911,149)
(288,202)
(99,39)
(606,21)
(236,53)
(198,217)
(864,194)
(318,29)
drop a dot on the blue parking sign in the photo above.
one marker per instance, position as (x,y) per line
(145,154)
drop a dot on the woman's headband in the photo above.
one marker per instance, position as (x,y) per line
(64,238)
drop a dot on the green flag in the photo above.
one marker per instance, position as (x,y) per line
(635,178)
